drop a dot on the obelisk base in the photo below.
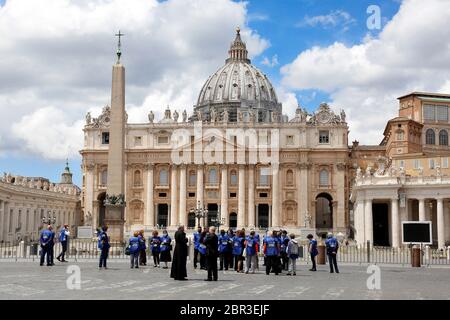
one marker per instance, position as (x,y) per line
(114,219)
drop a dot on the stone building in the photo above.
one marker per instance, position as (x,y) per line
(26,201)
(237,156)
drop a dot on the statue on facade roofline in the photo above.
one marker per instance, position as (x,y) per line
(199,115)
(88,118)
(151,116)
(185,116)
(175,116)
(358,173)
(343,116)
(5,177)
(225,116)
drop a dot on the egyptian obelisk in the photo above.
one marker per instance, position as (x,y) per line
(115,201)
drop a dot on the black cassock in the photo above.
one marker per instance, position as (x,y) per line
(178,270)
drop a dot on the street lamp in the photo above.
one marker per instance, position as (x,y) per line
(49,219)
(199,212)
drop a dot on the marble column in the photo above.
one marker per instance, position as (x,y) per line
(368,221)
(395,223)
(200,187)
(341,200)
(2,218)
(183,213)
(275,197)
(149,212)
(241,198)
(89,200)
(224,195)
(173,197)
(251,196)
(440,223)
(422,215)
(358,214)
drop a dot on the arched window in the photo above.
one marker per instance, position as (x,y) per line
(212,176)
(443,138)
(137,178)
(104,177)
(430,137)
(233,178)
(192,178)
(163,177)
(323,178)
(290,178)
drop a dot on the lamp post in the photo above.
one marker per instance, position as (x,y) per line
(49,219)
(199,212)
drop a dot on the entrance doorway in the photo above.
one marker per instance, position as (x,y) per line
(213,210)
(263,216)
(163,215)
(101,209)
(324,211)
(380,224)
(191,220)
(233,220)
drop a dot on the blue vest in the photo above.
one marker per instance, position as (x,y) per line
(62,235)
(142,245)
(314,250)
(283,244)
(223,243)
(134,244)
(46,236)
(196,240)
(237,246)
(103,241)
(202,248)
(165,243)
(271,246)
(155,243)
(331,244)
(251,246)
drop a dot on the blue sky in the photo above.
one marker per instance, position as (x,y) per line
(291,27)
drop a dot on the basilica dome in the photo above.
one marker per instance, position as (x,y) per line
(238,86)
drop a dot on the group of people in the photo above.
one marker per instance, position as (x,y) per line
(47,241)
(160,248)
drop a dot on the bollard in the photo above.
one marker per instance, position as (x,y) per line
(448,254)
(321,255)
(415,256)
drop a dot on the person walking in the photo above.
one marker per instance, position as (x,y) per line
(155,243)
(211,243)
(63,239)
(292,251)
(103,245)
(271,252)
(44,240)
(251,245)
(332,247)
(135,249)
(313,252)
(196,245)
(142,249)
(166,248)
(224,249)
(238,250)
(178,270)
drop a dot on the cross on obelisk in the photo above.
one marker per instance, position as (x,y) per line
(119,46)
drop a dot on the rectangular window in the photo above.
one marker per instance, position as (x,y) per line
(163,140)
(324,136)
(264,177)
(429,112)
(431,163)
(290,140)
(191,194)
(444,163)
(105,137)
(162,195)
(442,113)
(417,164)
(401,164)
(138,141)
(263,195)
(233,195)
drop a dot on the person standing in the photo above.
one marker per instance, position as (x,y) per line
(313,252)
(292,253)
(103,245)
(135,247)
(332,246)
(211,243)
(251,245)
(224,249)
(178,270)
(284,243)
(271,253)
(155,243)
(44,240)
(63,238)
(202,251)
(165,248)
(229,253)
(258,248)
(142,249)
(196,245)
(238,250)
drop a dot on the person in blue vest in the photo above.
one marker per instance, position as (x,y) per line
(51,247)
(103,245)
(224,249)
(258,248)
(332,247)
(238,250)
(313,252)
(196,240)
(271,251)
(229,253)
(142,249)
(135,246)
(63,238)
(44,240)
(251,257)
(166,248)
(283,254)
(277,260)
(202,250)
(155,245)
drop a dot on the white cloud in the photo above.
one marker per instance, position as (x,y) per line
(289,100)
(333,19)
(410,53)
(271,63)
(59,53)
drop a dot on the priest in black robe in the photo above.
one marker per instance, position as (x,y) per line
(178,270)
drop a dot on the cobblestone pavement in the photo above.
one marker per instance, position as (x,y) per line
(27,280)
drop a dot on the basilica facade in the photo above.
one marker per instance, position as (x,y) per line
(236,161)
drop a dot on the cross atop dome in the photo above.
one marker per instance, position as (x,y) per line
(238,49)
